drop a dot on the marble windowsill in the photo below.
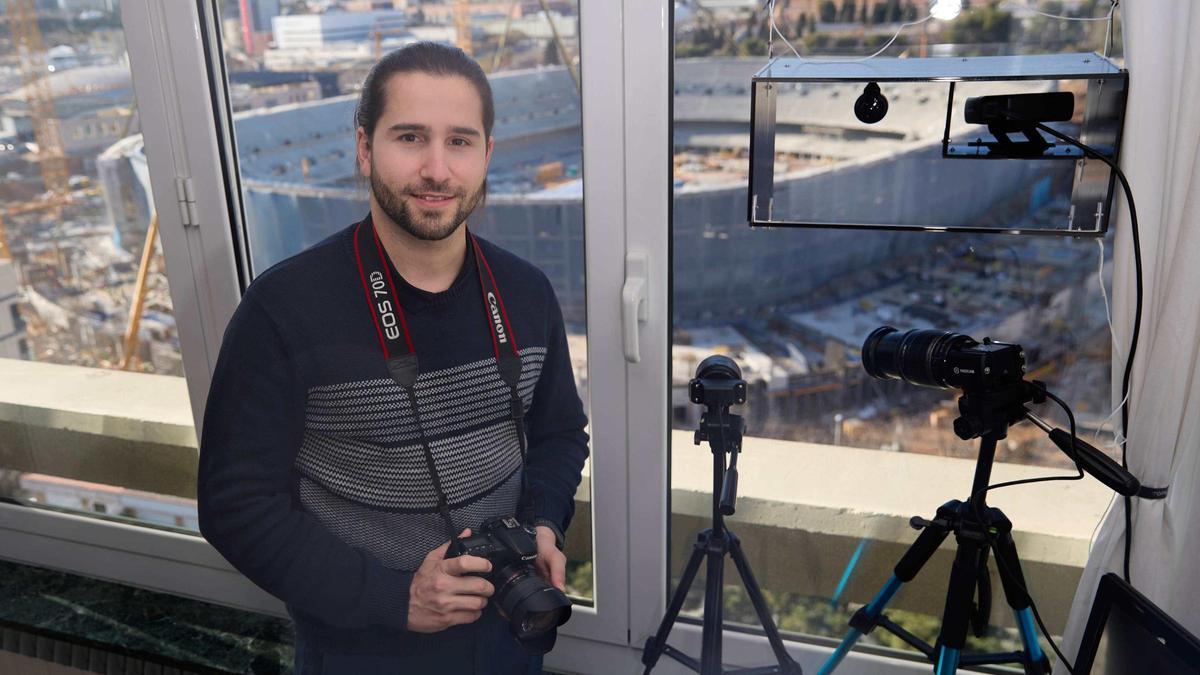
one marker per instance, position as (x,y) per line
(141,623)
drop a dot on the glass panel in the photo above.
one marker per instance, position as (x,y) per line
(94,410)
(294,82)
(886,162)
(835,462)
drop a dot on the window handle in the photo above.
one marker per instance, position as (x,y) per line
(634,303)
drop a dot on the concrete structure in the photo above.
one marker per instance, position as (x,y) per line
(13,344)
(124,178)
(91,428)
(92,105)
(316,31)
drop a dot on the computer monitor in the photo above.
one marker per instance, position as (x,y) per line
(1126,633)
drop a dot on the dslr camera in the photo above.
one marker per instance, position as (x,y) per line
(532,607)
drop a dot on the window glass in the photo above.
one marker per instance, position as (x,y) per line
(295,73)
(835,462)
(95,415)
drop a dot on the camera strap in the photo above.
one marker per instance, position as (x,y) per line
(401,356)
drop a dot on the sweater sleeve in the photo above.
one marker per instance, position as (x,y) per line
(253,427)
(558,444)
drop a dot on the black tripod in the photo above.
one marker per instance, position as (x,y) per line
(986,415)
(717,385)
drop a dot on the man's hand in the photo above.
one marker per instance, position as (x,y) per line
(440,596)
(551,563)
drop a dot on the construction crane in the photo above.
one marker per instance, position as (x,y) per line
(27,38)
(562,51)
(462,26)
(129,346)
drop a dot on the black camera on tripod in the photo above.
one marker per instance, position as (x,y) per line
(532,607)
(942,359)
(995,393)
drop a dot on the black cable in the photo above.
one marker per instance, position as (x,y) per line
(1001,566)
(1137,323)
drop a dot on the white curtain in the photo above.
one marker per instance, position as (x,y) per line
(1160,154)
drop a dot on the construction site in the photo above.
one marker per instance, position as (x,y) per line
(83,280)
(73,292)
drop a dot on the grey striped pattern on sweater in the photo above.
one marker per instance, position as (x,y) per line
(363,471)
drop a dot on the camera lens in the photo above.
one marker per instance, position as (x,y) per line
(540,622)
(871,106)
(915,356)
(719,367)
(531,606)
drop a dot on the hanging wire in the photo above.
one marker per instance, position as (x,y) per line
(1024,8)
(774,30)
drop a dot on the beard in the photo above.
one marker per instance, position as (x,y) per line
(427,225)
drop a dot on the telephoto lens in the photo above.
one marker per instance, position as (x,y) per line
(941,359)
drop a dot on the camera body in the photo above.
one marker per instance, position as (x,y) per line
(532,607)
(503,541)
(718,383)
(942,359)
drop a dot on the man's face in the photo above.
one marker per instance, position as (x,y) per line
(428,157)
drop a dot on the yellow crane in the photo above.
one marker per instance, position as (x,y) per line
(27,38)
(462,26)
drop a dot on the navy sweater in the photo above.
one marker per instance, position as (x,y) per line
(312,480)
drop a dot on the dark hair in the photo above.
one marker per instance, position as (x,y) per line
(421,57)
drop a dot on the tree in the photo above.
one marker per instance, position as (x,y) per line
(893,11)
(983,25)
(848,11)
(550,55)
(828,12)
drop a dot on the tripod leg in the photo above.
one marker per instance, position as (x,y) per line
(655,645)
(714,600)
(872,611)
(1016,592)
(956,618)
(786,664)
(905,571)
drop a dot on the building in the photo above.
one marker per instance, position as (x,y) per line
(13,344)
(299,184)
(318,31)
(256,17)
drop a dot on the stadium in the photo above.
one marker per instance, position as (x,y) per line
(299,183)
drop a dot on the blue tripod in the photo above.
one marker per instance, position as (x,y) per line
(986,415)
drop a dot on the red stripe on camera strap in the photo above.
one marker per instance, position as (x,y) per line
(400,354)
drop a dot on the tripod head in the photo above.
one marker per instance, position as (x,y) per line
(991,375)
(718,384)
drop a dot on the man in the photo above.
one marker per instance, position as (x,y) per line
(381,388)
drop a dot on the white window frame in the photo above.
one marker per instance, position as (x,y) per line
(626,73)
(183,129)
(648,62)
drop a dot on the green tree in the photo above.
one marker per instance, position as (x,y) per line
(801,24)
(550,54)
(893,11)
(828,12)
(984,25)
(848,9)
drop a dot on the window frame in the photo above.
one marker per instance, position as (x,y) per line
(193,167)
(627,124)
